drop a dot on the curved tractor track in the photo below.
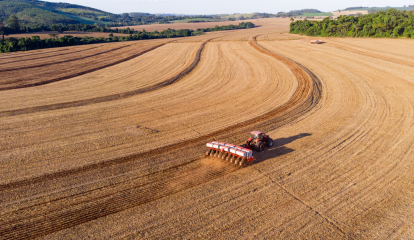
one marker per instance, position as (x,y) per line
(112,97)
(17,83)
(46,56)
(121,194)
(341,165)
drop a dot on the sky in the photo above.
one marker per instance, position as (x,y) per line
(227,6)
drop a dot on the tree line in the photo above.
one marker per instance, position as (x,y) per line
(13,27)
(391,24)
(23,44)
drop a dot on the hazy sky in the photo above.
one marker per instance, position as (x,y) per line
(227,6)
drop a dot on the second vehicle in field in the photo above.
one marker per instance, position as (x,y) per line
(316,41)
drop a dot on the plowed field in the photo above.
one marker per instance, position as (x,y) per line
(114,148)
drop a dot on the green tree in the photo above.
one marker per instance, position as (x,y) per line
(54,35)
(13,23)
(3,30)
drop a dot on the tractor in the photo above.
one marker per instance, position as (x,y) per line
(239,155)
(257,141)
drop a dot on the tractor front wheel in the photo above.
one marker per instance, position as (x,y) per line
(259,146)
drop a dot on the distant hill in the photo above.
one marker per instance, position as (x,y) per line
(304,12)
(33,12)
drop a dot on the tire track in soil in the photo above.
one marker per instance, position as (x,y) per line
(330,221)
(79,73)
(65,61)
(306,97)
(110,97)
(43,51)
(372,54)
(55,55)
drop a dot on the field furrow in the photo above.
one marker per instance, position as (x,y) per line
(119,152)
(188,67)
(53,70)
(297,100)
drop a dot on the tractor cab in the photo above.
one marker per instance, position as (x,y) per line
(257,135)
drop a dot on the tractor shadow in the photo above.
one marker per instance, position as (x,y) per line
(278,148)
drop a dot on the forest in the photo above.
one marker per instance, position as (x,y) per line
(24,44)
(391,23)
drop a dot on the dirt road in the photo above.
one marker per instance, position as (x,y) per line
(341,115)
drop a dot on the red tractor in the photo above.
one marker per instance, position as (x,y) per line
(257,141)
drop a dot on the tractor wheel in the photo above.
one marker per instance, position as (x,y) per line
(259,146)
(269,142)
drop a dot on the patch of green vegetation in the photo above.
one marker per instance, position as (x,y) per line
(83,20)
(377,9)
(384,24)
(297,13)
(78,11)
(317,14)
(239,15)
(27,13)
(243,16)
(195,20)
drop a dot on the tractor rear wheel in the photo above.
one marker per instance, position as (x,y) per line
(269,142)
(259,146)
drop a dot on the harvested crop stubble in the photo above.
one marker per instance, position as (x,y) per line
(228,54)
(31,72)
(236,69)
(16,57)
(350,176)
(365,150)
(272,29)
(341,167)
(113,80)
(353,169)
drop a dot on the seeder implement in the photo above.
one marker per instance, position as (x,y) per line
(238,155)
